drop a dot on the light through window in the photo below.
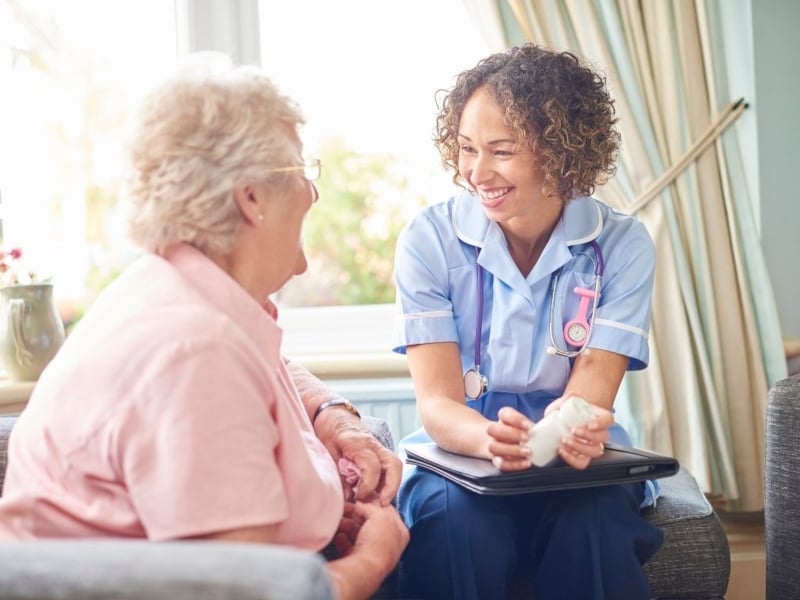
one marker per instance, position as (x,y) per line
(69,73)
(365,74)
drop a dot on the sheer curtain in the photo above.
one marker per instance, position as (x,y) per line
(715,340)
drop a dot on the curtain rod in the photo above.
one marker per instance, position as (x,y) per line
(728,115)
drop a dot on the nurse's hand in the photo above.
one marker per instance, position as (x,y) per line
(507,440)
(585,442)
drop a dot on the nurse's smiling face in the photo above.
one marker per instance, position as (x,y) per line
(505,175)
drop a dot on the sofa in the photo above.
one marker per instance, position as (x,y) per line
(693,563)
(782,490)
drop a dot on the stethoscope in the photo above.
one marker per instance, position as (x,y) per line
(577,331)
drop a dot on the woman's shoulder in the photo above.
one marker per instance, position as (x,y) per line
(619,223)
(429,223)
(436,213)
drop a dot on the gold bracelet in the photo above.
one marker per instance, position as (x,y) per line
(335,402)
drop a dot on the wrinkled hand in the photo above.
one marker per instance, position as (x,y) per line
(380,469)
(376,530)
(369,541)
(347,532)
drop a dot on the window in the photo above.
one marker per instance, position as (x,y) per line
(69,73)
(365,74)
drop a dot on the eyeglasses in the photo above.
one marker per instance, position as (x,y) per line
(311,167)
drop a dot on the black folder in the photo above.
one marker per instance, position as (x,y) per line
(619,464)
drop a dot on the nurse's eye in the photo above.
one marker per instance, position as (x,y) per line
(465,149)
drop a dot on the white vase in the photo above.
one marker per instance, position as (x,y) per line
(31,331)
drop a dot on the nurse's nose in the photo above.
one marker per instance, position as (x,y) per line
(482,169)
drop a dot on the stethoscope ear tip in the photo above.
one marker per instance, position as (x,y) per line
(551,351)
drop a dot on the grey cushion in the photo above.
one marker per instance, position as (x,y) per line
(781,511)
(694,561)
(380,429)
(5,430)
(142,570)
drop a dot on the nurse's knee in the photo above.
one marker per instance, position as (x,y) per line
(420,496)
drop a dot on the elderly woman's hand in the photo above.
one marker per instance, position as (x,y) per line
(346,437)
(380,469)
(369,543)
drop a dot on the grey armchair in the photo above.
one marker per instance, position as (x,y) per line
(782,490)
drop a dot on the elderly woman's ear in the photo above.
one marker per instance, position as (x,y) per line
(248,203)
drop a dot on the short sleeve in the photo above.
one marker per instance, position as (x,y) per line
(424,307)
(622,322)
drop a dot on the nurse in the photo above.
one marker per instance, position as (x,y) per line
(500,318)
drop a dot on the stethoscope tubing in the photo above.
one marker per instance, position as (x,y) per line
(553,349)
(479,277)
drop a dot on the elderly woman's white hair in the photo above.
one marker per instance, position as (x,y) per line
(208,128)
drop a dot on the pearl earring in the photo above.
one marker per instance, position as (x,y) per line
(260,217)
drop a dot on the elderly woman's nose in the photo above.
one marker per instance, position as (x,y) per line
(302,264)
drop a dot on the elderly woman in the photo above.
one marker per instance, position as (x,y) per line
(169,413)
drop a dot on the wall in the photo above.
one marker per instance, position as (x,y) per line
(776,44)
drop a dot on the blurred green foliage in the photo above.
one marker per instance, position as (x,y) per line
(350,234)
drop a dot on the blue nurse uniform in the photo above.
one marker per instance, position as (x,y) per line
(587,544)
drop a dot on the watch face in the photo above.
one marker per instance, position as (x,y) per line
(576,333)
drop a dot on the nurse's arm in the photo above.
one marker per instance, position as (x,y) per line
(596,377)
(439,387)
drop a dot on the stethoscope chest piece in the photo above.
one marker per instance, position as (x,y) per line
(475,384)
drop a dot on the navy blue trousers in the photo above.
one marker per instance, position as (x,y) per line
(587,544)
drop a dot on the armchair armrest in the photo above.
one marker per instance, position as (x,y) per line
(143,570)
(380,429)
(782,490)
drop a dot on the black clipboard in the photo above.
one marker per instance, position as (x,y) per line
(619,464)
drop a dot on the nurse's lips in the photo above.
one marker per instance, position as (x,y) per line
(494,198)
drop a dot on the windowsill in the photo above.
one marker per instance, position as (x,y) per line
(14,394)
(333,342)
(343,342)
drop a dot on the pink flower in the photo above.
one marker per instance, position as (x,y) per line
(12,271)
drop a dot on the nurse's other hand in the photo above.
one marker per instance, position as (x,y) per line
(587,441)
(507,437)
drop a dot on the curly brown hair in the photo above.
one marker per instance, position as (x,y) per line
(558,107)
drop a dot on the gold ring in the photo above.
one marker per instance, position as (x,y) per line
(602,448)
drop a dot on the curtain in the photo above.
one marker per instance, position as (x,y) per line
(715,340)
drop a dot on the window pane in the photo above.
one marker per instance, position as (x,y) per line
(69,74)
(365,73)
